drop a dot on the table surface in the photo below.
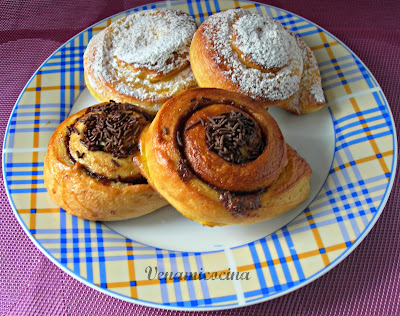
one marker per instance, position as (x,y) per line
(367,282)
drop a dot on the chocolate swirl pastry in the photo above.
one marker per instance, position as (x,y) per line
(142,58)
(88,168)
(220,159)
(249,53)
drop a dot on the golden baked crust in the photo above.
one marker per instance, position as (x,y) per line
(142,58)
(252,54)
(96,185)
(204,186)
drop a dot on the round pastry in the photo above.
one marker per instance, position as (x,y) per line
(220,159)
(88,169)
(142,58)
(249,53)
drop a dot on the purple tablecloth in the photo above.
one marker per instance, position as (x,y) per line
(366,283)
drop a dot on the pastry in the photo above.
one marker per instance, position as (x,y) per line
(142,58)
(249,53)
(220,159)
(88,169)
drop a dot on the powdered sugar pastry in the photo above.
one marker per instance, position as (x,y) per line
(256,53)
(144,55)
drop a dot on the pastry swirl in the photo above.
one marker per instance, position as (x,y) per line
(249,53)
(142,58)
(220,159)
(88,168)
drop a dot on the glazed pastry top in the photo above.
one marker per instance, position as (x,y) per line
(220,158)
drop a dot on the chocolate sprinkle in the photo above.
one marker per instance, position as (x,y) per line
(193,124)
(234,137)
(165,130)
(79,155)
(196,106)
(112,128)
(115,163)
(193,99)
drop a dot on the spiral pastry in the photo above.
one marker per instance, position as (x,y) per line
(88,169)
(142,58)
(220,159)
(249,53)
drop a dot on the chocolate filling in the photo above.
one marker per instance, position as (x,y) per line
(184,171)
(105,180)
(239,204)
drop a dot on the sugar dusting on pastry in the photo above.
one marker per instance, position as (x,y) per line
(275,86)
(263,59)
(310,81)
(264,41)
(128,54)
(310,84)
(153,41)
(317,92)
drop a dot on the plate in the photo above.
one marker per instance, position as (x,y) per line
(163,260)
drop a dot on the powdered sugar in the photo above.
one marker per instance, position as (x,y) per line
(263,42)
(310,85)
(152,40)
(317,92)
(138,55)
